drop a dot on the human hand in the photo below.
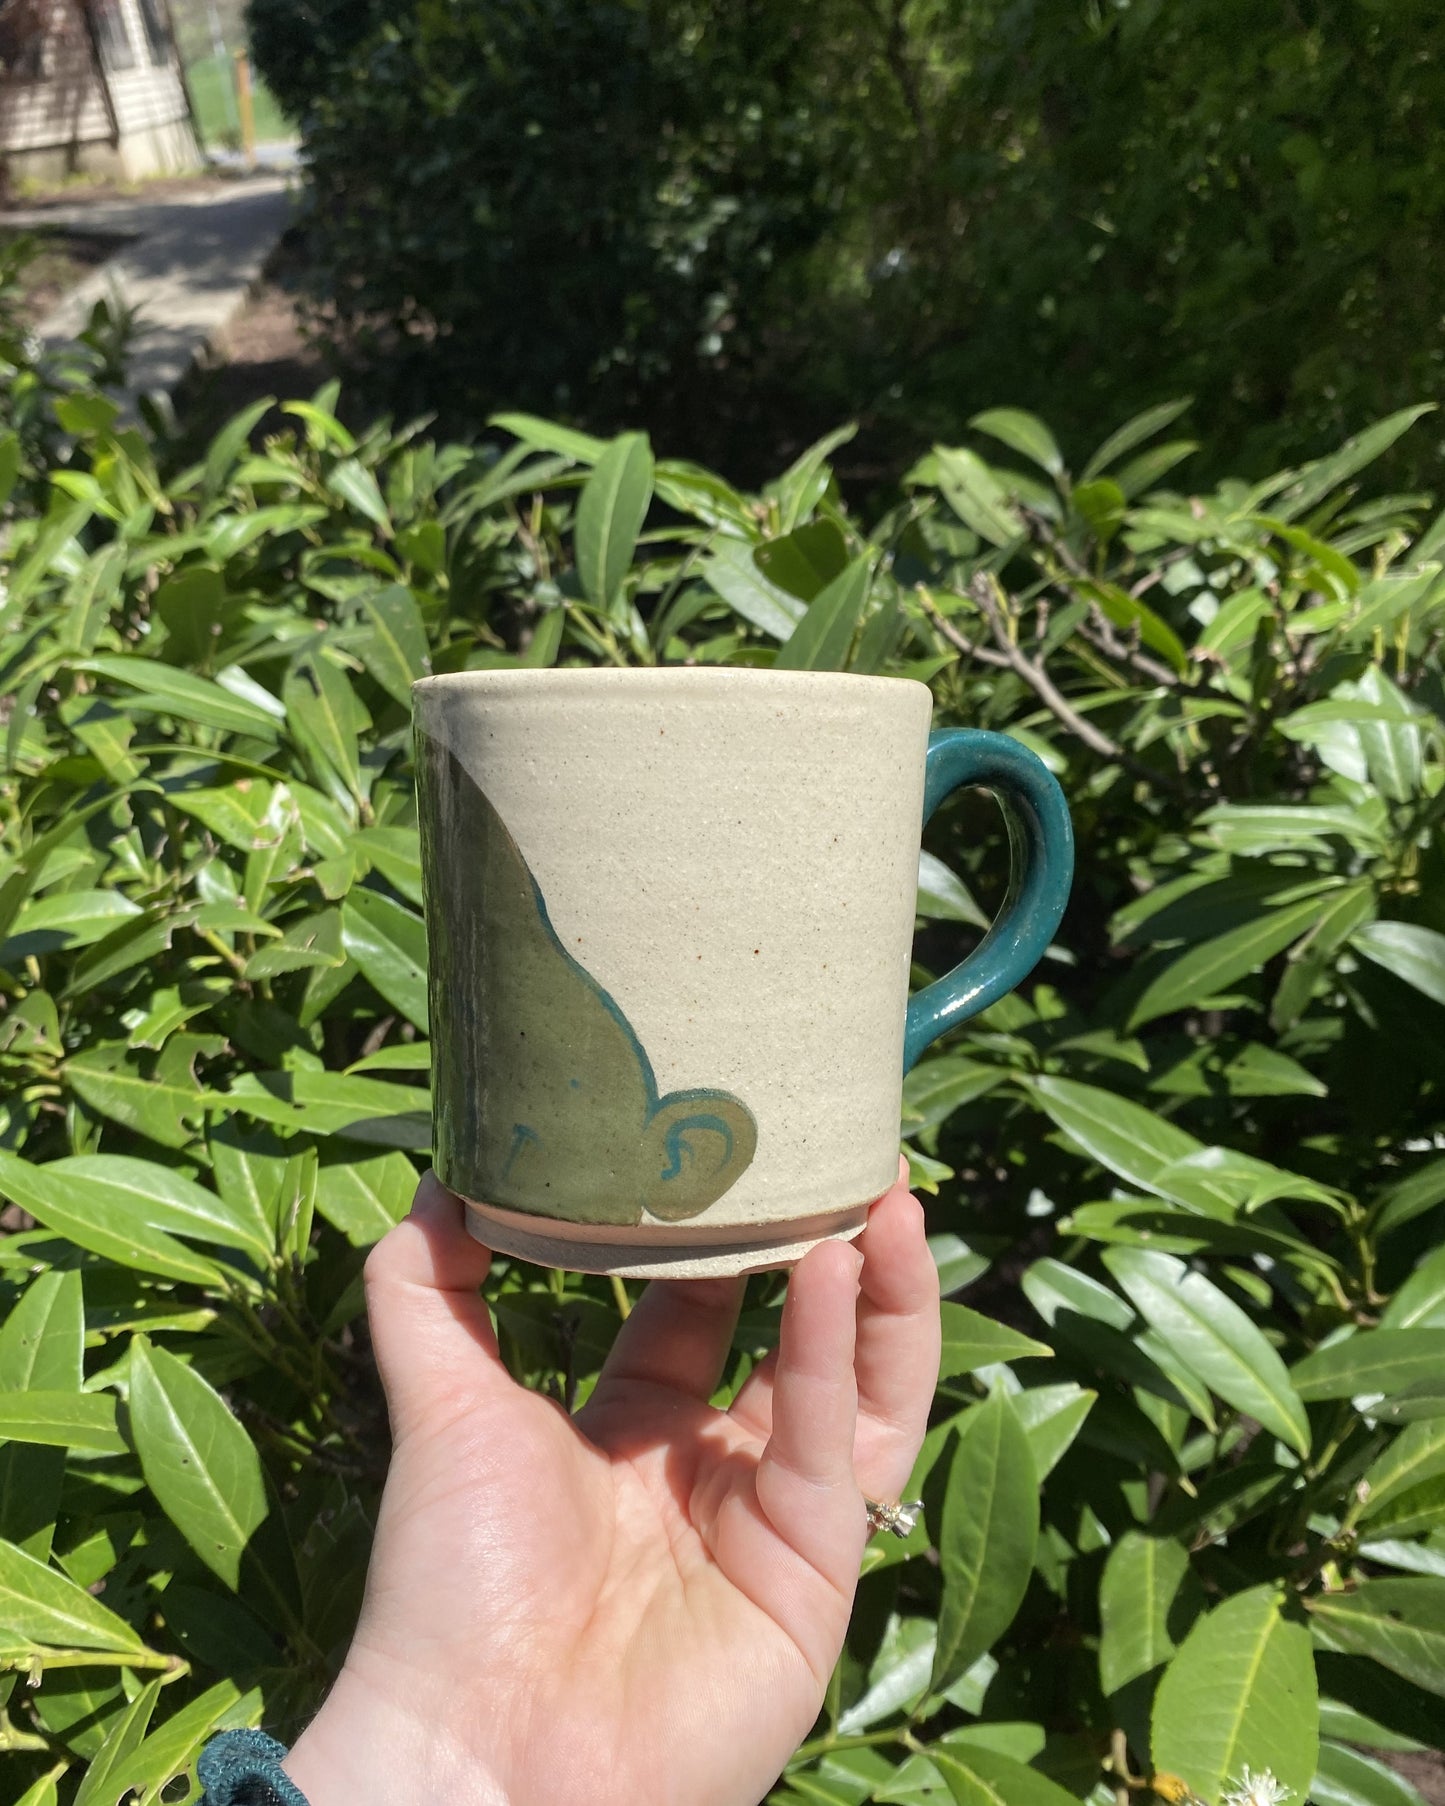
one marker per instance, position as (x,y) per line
(641,1603)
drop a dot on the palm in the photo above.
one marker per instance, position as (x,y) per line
(643,1602)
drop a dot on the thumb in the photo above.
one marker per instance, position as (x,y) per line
(436,1349)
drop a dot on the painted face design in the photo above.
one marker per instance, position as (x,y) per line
(563,1118)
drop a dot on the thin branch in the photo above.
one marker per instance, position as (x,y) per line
(1101,632)
(1034,674)
(958,641)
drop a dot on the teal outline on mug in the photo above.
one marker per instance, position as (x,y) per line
(563,1117)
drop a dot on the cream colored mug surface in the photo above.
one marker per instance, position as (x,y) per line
(670,916)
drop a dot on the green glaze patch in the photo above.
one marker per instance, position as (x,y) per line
(544,1099)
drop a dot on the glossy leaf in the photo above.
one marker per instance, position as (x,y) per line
(197,1459)
(1212,1338)
(161,1198)
(1398,1623)
(610,514)
(971,1341)
(397,653)
(365,1195)
(1371,1361)
(986,1536)
(1206,970)
(1127,1140)
(1140,1600)
(1241,1691)
(1412,953)
(1347,1777)
(39,1605)
(62,1420)
(389,944)
(820,641)
(979,1776)
(1022,432)
(103,1227)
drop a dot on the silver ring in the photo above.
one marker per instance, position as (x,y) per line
(899,1517)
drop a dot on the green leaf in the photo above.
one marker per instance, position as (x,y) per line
(1412,953)
(324,718)
(198,1461)
(355,485)
(389,944)
(65,921)
(166,690)
(162,1105)
(1240,1692)
(306,942)
(1415,1456)
(1133,432)
(326,1103)
(733,573)
(934,1090)
(1346,1777)
(1142,1600)
(943,896)
(805,560)
(1421,1300)
(113,1233)
(1052,1417)
(986,1537)
(1129,1141)
(365,1195)
(1213,1338)
(61,1420)
(1398,1623)
(610,513)
(42,1339)
(820,641)
(100,1786)
(1318,479)
(173,1746)
(161,1198)
(978,1776)
(976,496)
(396,653)
(38,1605)
(546,435)
(1024,433)
(1410,1197)
(971,1341)
(1205,971)
(396,854)
(1372,1361)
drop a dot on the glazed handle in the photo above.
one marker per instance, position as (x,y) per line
(1041,869)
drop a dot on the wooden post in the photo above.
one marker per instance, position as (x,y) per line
(247,112)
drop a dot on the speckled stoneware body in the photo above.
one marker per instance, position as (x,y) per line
(670,916)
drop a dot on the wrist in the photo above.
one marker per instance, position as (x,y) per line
(367,1747)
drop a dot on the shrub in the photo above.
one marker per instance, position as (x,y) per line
(903,208)
(1184,1478)
(578,207)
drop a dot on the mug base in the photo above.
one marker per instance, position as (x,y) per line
(656,1251)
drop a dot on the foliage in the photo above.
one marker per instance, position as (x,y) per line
(580,207)
(300,43)
(1185,1482)
(729,220)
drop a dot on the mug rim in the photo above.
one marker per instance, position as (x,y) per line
(642,676)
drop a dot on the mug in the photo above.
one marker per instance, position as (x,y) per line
(670,915)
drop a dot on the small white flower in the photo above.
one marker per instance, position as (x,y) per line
(1257,1790)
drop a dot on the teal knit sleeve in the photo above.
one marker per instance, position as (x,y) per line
(243,1768)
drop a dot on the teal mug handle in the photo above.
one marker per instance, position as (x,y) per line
(1041,860)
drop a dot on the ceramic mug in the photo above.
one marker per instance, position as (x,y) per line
(670,917)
